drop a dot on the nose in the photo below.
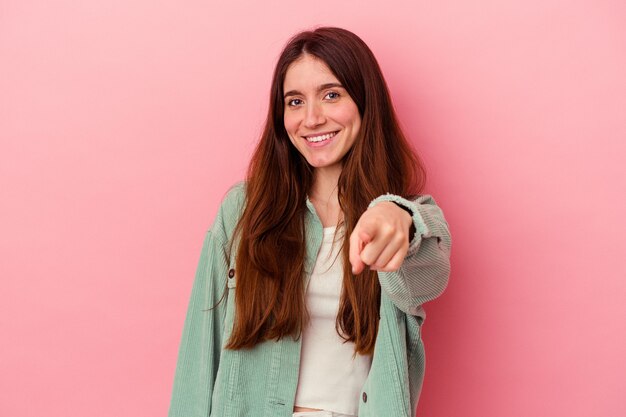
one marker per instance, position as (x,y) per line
(314,115)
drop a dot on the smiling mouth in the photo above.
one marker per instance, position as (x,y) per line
(320,138)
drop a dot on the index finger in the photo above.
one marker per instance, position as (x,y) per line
(358,239)
(356,245)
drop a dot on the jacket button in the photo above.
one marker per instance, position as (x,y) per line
(231,273)
(365,397)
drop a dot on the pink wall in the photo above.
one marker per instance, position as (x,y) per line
(123,123)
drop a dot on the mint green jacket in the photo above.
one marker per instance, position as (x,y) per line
(261,382)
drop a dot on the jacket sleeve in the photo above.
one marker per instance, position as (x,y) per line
(200,347)
(424,273)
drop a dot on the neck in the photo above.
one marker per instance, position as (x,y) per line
(324,196)
(325,180)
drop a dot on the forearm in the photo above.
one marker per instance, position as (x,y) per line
(425,270)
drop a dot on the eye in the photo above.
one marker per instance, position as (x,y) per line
(294,102)
(332,95)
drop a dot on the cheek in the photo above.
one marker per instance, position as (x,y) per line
(348,116)
(290,123)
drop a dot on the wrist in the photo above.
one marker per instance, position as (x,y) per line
(412,225)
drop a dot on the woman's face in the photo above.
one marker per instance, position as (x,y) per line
(321,119)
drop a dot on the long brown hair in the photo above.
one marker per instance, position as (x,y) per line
(270,301)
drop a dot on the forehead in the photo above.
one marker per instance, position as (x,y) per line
(307,73)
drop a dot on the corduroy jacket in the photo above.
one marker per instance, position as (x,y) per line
(261,382)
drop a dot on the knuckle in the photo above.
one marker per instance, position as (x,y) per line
(387,229)
(393,266)
(366,258)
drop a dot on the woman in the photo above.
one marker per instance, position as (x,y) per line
(308,296)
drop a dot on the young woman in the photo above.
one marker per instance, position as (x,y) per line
(308,296)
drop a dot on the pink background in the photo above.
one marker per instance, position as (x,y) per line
(123,123)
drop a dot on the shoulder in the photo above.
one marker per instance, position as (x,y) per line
(234,199)
(230,211)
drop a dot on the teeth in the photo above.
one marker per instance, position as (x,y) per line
(321,138)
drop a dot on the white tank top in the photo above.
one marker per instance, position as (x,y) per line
(330,377)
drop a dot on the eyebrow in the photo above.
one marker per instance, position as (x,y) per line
(320,88)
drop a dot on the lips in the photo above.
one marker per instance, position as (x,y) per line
(320,137)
